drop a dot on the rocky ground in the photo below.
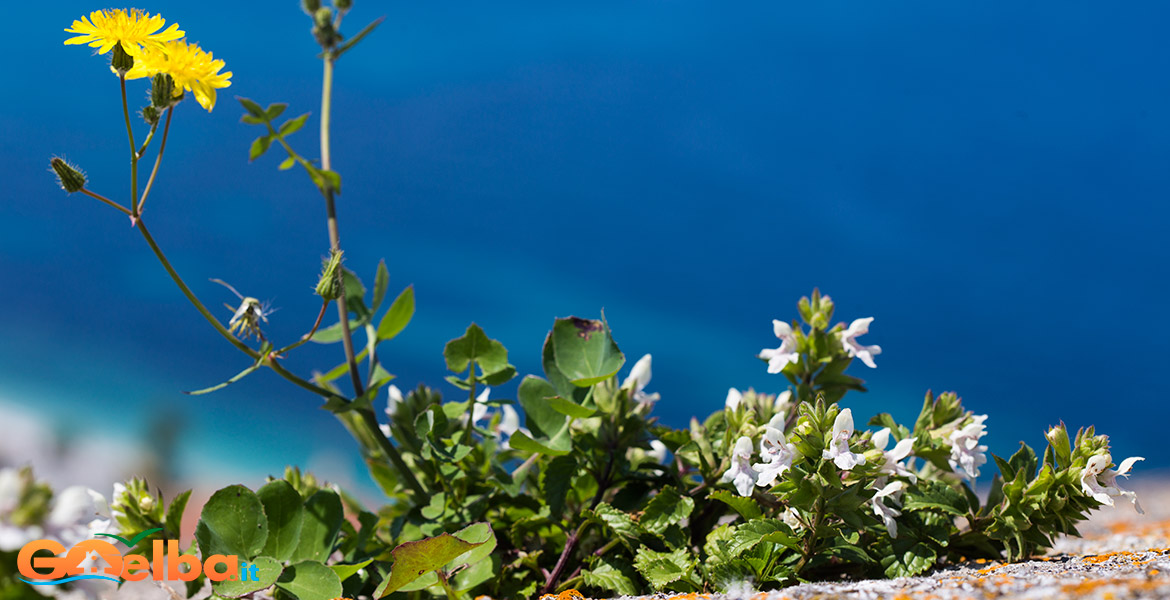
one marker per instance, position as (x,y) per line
(1122,555)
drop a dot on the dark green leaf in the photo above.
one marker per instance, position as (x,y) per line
(274,110)
(267,571)
(400,313)
(746,507)
(285,511)
(174,516)
(250,106)
(489,354)
(908,561)
(292,126)
(584,351)
(381,283)
(935,495)
(555,481)
(322,520)
(310,580)
(232,523)
(608,574)
(666,508)
(617,523)
(558,445)
(542,419)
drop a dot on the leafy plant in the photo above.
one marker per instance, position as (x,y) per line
(592,492)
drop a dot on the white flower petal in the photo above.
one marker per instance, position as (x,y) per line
(734,397)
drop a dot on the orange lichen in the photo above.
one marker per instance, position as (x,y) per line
(990,569)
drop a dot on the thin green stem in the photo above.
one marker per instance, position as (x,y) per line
(133,151)
(149,138)
(307,336)
(191,295)
(124,210)
(331,215)
(158,159)
(470,405)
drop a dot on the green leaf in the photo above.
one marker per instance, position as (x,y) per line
(346,571)
(664,568)
(752,533)
(618,523)
(477,558)
(355,294)
(935,495)
(667,508)
(267,571)
(232,523)
(908,560)
(608,576)
(1025,460)
(235,378)
(570,408)
(558,445)
(174,516)
(292,126)
(288,163)
(310,580)
(259,146)
(397,317)
(250,106)
(381,283)
(322,520)
(326,180)
(555,481)
(274,110)
(584,351)
(746,507)
(357,38)
(475,346)
(541,418)
(333,334)
(415,559)
(285,511)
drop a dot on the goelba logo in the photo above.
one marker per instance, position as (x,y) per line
(67,566)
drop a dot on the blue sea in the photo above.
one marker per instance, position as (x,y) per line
(988,181)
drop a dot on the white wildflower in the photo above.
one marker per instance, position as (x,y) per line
(893,491)
(838,450)
(792,518)
(1100,482)
(734,397)
(637,380)
(778,358)
(892,460)
(657,451)
(393,401)
(967,454)
(741,474)
(783,402)
(778,455)
(853,349)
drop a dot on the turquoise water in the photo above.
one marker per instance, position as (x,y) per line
(988,182)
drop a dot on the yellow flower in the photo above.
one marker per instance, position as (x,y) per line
(135,30)
(192,69)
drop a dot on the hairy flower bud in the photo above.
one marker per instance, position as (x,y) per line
(343,5)
(310,6)
(121,62)
(162,91)
(69,176)
(329,284)
(150,114)
(323,29)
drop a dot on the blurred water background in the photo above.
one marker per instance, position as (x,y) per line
(988,181)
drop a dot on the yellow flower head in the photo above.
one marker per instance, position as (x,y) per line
(134,29)
(192,69)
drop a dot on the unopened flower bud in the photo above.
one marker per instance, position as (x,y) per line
(121,62)
(329,284)
(146,503)
(162,91)
(323,17)
(69,176)
(343,5)
(310,6)
(150,115)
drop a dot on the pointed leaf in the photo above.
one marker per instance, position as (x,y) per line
(235,378)
(555,481)
(381,283)
(398,316)
(292,126)
(250,106)
(274,110)
(259,147)
(415,559)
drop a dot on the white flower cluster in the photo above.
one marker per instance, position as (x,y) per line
(776,455)
(967,454)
